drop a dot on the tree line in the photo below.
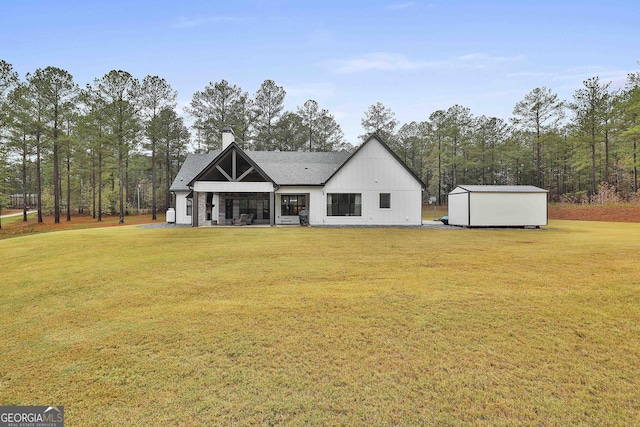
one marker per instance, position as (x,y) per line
(260,122)
(116,144)
(580,150)
(93,147)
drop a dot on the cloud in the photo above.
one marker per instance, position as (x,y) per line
(481,60)
(385,61)
(572,78)
(316,91)
(376,61)
(406,5)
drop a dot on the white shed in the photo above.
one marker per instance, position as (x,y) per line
(498,206)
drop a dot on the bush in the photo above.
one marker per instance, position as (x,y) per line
(578,197)
(606,195)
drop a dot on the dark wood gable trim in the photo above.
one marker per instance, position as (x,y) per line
(234,150)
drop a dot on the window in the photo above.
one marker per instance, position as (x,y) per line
(344,204)
(385,200)
(248,206)
(292,204)
(189,206)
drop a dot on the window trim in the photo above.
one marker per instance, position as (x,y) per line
(388,201)
(337,202)
(297,207)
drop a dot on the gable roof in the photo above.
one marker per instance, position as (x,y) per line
(299,167)
(282,167)
(232,147)
(192,166)
(395,156)
(501,189)
(293,168)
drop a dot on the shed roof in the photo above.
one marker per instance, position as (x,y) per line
(500,189)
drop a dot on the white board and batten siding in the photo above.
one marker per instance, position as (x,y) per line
(315,204)
(498,206)
(373,170)
(370,171)
(181,208)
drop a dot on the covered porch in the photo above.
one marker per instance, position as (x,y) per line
(219,203)
(234,209)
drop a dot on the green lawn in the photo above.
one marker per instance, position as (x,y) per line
(292,325)
(6,221)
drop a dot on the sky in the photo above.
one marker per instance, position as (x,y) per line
(415,57)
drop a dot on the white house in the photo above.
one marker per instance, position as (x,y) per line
(498,206)
(371,186)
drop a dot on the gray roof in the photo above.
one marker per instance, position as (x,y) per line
(299,168)
(502,189)
(283,167)
(192,166)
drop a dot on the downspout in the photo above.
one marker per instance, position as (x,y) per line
(194,209)
(272,207)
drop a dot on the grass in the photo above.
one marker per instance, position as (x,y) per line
(430,214)
(291,325)
(7,221)
(14,226)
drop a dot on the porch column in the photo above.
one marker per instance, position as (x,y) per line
(194,210)
(215,209)
(272,208)
(202,208)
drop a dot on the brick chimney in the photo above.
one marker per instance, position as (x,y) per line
(227,137)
